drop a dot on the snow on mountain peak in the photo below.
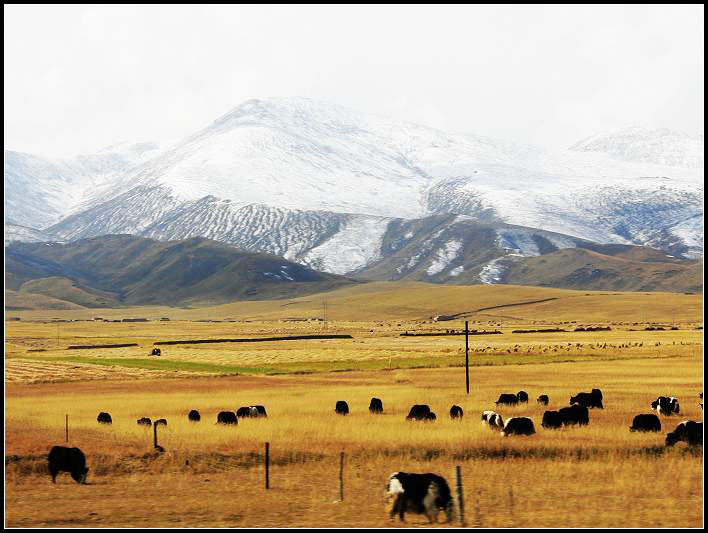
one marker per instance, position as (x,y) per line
(309,171)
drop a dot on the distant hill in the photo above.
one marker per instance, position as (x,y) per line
(409,300)
(116,270)
(576,268)
(456,250)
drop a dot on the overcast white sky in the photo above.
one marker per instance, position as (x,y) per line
(79,78)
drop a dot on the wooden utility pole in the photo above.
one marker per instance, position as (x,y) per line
(67,428)
(467,354)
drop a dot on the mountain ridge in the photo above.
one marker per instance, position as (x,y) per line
(314,182)
(129,270)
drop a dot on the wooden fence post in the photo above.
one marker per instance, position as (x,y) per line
(67,428)
(154,432)
(511,506)
(460,496)
(267,465)
(341,476)
(477,513)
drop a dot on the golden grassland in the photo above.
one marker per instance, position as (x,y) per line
(601,475)
(35,343)
(373,346)
(210,475)
(387,300)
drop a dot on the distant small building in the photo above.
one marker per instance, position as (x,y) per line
(135,320)
(164,319)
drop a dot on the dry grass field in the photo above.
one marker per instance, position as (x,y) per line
(210,475)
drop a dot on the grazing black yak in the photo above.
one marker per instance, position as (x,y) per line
(646,423)
(575,414)
(520,425)
(507,399)
(342,408)
(376,406)
(243,412)
(552,420)
(418,412)
(226,417)
(70,460)
(588,399)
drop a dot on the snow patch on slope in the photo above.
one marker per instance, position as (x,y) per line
(493,271)
(521,242)
(444,257)
(354,246)
(457,271)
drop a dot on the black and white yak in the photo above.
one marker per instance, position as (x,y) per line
(666,405)
(687,431)
(493,419)
(426,494)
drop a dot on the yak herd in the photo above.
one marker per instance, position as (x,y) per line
(575,414)
(429,494)
(224,417)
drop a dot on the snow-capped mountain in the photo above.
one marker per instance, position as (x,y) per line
(13,232)
(41,191)
(327,187)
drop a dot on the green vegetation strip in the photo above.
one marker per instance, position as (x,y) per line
(340,366)
(158,364)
